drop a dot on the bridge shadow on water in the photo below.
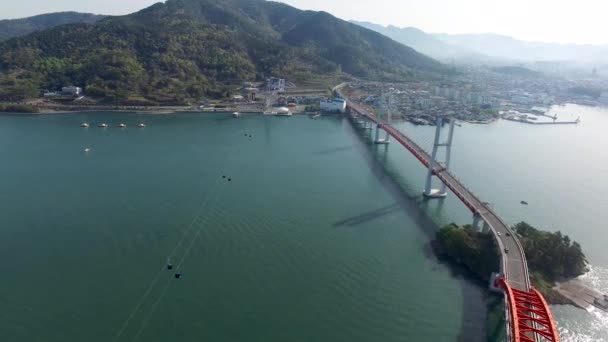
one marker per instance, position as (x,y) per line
(474,319)
(330,151)
(368,216)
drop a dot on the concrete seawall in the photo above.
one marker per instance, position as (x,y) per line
(580,294)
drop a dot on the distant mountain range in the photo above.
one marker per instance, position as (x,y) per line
(421,41)
(180,50)
(25,26)
(489,47)
(495,45)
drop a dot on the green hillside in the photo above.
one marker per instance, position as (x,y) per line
(181,50)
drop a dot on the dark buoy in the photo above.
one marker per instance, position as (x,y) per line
(224,177)
(178,275)
(169,266)
(230,179)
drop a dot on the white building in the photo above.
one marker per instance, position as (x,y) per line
(71,90)
(275,84)
(333,106)
(424,102)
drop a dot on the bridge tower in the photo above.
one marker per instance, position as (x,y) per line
(387,137)
(434,166)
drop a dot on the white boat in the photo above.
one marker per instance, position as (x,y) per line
(283,111)
(103,125)
(87,150)
(85,125)
(122,125)
(316,116)
(236,114)
(141,125)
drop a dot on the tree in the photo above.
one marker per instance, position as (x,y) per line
(553,255)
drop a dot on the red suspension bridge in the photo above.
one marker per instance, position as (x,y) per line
(528,316)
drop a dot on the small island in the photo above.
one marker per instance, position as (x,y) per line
(552,257)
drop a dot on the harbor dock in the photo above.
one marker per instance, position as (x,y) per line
(526,121)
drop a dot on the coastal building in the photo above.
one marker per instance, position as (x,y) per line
(424,102)
(71,91)
(50,94)
(522,99)
(250,93)
(275,84)
(333,106)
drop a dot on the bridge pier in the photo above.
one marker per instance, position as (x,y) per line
(364,123)
(448,152)
(429,192)
(486,228)
(358,120)
(476,220)
(495,284)
(384,141)
(387,137)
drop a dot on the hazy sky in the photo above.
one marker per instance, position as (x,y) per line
(564,21)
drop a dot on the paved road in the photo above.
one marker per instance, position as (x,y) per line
(514,261)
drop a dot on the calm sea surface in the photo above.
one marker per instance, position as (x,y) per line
(317,237)
(311,240)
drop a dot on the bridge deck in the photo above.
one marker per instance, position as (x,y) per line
(514,262)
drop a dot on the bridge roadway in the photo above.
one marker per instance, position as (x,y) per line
(514,265)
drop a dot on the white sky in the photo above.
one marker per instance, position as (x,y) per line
(563,21)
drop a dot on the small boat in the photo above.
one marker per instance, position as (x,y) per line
(122,125)
(283,111)
(236,114)
(87,150)
(85,125)
(141,125)
(524,203)
(103,125)
(316,116)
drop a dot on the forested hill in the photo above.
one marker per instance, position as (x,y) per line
(180,50)
(21,27)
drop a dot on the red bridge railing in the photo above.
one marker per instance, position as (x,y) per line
(531,319)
